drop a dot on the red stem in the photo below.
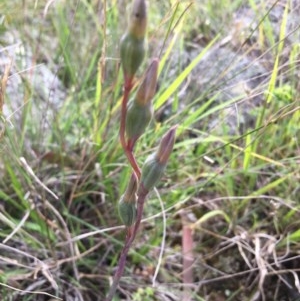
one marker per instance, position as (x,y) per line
(142,194)
(126,147)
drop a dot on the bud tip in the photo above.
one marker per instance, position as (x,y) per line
(166,145)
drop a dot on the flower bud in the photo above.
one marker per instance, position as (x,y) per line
(147,89)
(140,111)
(127,212)
(155,164)
(138,19)
(131,188)
(152,171)
(133,45)
(127,204)
(166,146)
(137,119)
(132,54)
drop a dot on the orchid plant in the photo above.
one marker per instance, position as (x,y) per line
(136,115)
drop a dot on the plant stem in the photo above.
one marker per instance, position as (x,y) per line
(128,152)
(142,194)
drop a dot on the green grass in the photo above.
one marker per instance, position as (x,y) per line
(239,190)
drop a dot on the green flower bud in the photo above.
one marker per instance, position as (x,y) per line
(127,204)
(133,45)
(137,119)
(152,171)
(140,111)
(127,212)
(132,54)
(155,164)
